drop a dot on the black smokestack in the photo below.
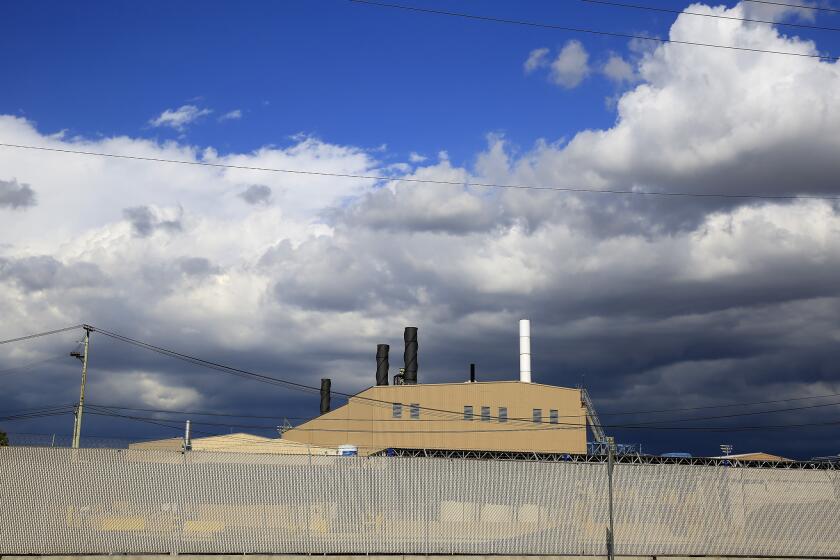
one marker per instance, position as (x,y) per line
(325,396)
(472,373)
(410,356)
(382,364)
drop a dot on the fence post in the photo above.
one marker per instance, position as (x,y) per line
(610,533)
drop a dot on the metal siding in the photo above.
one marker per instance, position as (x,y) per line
(367,423)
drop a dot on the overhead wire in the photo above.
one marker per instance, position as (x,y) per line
(539,428)
(359,398)
(278,381)
(465,183)
(589,31)
(427,420)
(650,8)
(40,334)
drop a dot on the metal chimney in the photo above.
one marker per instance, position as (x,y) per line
(525,351)
(382,364)
(472,373)
(410,355)
(325,395)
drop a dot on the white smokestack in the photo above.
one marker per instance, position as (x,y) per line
(525,351)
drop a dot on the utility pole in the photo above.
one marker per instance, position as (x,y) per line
(610,534)
(77,417)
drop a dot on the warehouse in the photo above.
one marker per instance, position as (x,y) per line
(515,415)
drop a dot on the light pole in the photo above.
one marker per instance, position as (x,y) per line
(77,417)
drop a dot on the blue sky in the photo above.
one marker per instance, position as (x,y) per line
(347,73)
(659,303)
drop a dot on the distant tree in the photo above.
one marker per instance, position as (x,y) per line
(4,439)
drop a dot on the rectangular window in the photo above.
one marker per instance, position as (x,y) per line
(485,413)
(468,413)
(537,416)
(502,414)
(414,409)
(553,416)
(396,411)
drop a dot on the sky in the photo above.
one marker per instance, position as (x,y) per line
(651,302)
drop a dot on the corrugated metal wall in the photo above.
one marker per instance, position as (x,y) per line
(63,501)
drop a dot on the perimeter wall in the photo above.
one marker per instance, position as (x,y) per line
(105,501)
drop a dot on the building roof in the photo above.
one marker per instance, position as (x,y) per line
(238,443)
(754,456)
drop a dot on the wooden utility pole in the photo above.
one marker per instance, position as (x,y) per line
(77,417)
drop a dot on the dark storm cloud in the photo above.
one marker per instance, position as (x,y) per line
(144,221)
(256,194)
(16,195)
(43,272)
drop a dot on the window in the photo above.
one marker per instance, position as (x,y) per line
(485,413)
(537,416)
(468,413)
(396,411)
(553,416)
(502,414)
(414,411)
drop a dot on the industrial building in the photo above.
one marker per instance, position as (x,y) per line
(515,415)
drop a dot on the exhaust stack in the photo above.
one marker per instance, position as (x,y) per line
(325,395)
(410,356)
(382,364)
(525,351)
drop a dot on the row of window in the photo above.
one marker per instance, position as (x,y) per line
(413,410)
(502,416)
(537,417)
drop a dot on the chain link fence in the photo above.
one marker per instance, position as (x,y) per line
(108,501)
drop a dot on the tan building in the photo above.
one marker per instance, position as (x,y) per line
(236,443)
(491,416)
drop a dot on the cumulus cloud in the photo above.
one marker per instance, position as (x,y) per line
(537,58)
(233,115)
(571,65)
(179,118)
(256,194)
(619,70)
(414,157)
(16,195)
(658,302)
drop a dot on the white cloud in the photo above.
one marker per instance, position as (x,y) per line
(571,66)
(414,157)
(179,118)
(618,70)
(234,115)
(537,58)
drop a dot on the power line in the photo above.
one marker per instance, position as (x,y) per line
(586,190)
(358,398)
(278,381)
(716,16)
(420,420)
(799,6)
(36,335)
(585,30)
(539,428)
